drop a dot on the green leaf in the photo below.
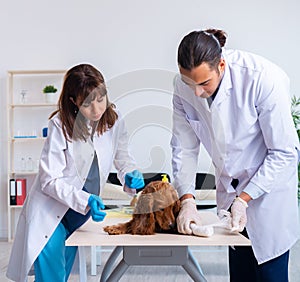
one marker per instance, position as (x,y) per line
(49,89)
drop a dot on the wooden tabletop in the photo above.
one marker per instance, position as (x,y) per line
(92,234)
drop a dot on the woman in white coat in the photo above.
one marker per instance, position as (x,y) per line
(237,105)
(86,136)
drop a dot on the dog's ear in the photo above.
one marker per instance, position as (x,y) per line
(144,204)
(143,224)
(143,221)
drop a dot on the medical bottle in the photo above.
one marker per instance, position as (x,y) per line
(29,164)
(164,178)
(23,164)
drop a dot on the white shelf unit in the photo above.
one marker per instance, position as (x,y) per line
(27,115)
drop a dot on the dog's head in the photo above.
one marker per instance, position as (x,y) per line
(156,209)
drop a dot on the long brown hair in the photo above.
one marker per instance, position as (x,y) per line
(79,82)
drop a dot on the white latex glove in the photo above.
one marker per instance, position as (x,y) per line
(238,213)
(188,214)
(225,219)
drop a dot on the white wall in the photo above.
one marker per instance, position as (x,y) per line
(134,43)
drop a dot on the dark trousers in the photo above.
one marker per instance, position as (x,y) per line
(243,266)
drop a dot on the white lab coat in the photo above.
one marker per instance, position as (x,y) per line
(249,133)
(63,169)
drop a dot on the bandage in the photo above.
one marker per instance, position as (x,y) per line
(208,230)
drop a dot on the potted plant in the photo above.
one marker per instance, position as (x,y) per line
(295,102)
(50,91)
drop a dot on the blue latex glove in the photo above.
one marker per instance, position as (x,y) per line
(134,179)
(96,204)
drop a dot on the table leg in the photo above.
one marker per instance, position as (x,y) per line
(154,255)
(195,262)
(118,271)
(110,263)
(193,271)
(93,260)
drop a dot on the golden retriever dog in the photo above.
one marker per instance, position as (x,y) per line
(156,210)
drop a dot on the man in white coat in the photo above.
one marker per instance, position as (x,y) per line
(237,105)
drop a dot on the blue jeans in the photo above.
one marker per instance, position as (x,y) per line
(55,261)
(243,266)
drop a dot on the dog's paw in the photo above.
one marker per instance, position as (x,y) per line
(112,230)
